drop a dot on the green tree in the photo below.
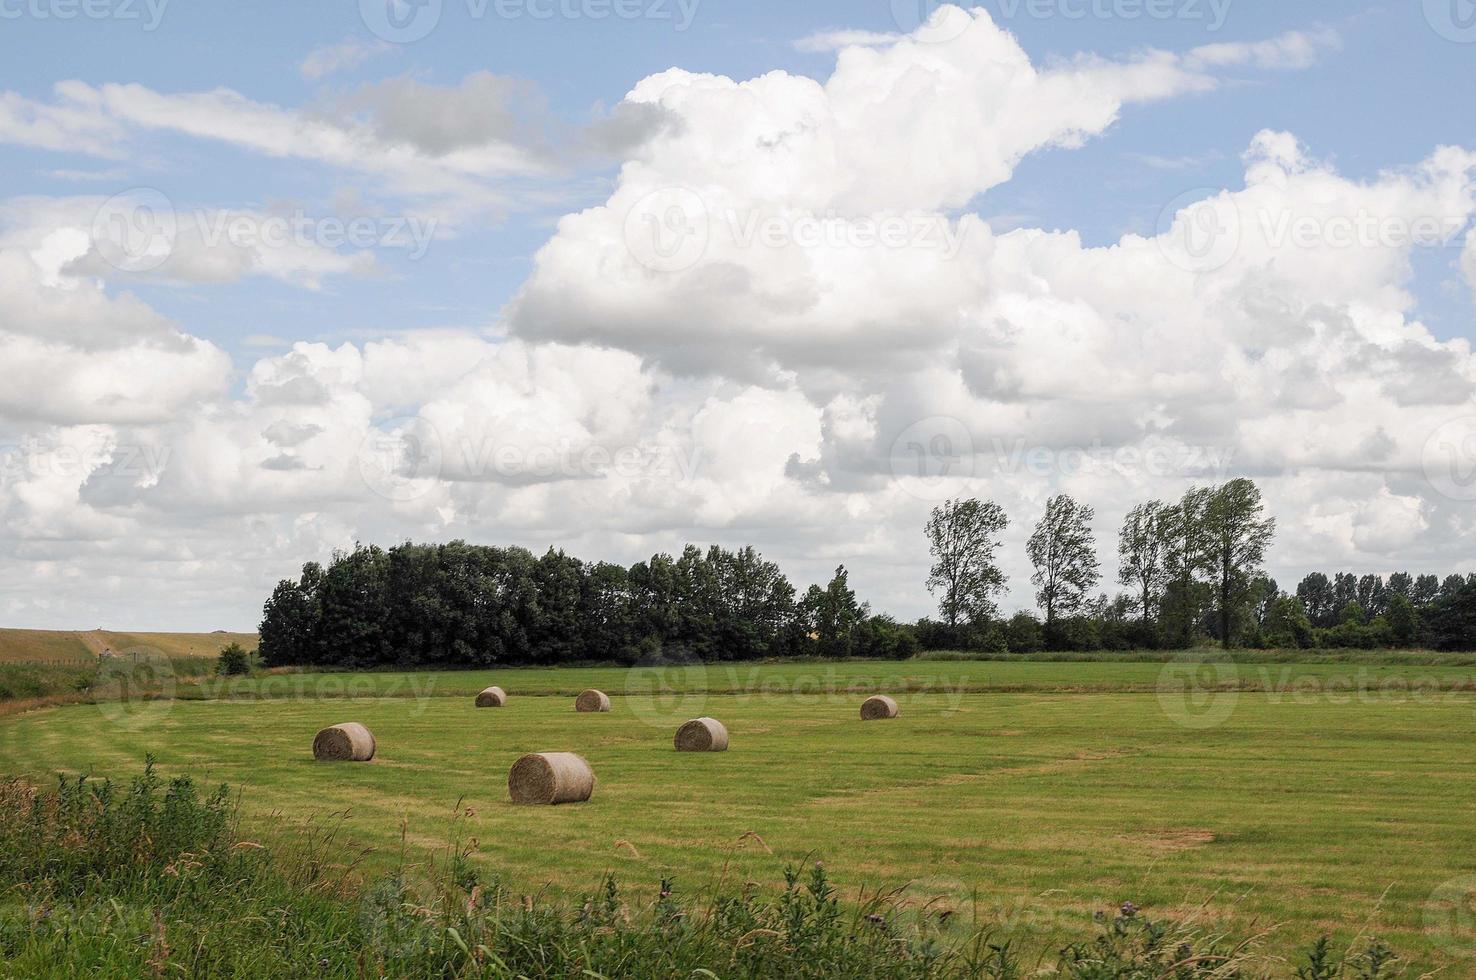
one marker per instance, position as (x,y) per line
(1141,561)
(289,620)
(1022,633)
(1316,593)
(963,536)
(1452,620)
(1425,590)
(1063,550)
(834,614)
(1186,555)
(1262,594)
(1404,621)
(557,634)
(1400,583)
(1372,594)
(1287,625)
(1237,535)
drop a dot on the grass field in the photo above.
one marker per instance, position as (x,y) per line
(944,678)
(1309,799)
(46,646)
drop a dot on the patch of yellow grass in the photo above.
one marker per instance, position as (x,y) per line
(53,646)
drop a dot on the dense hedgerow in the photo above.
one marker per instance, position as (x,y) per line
(464,605)
(154,880)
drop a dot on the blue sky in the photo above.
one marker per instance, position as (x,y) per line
(1391,91)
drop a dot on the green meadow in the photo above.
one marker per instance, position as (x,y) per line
(1295,799)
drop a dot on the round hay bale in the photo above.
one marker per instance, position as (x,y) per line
(702,735)
(549,778)
(878,706)
(349,742)
(592,700)
(492,697)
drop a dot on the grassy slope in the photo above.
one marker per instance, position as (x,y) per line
(1301,808)
(42,646)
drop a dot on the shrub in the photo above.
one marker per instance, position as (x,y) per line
(234,661)
(883,638)
(1287,625)
(1022,633)
(1075,634)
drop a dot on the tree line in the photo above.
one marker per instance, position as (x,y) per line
(464,605)
(1193,572)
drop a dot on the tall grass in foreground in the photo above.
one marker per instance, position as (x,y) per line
(153,880)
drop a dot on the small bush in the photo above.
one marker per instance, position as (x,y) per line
(1076,634)
(1022,633)
(883,638)
(234,661)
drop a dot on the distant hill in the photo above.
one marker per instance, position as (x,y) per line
(59,645)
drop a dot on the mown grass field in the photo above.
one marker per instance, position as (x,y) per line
(943,677)
(1320,798)
(47,646)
